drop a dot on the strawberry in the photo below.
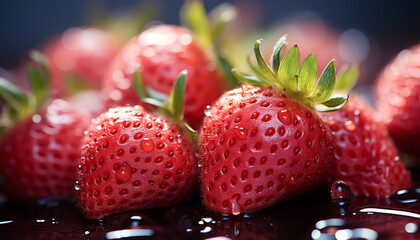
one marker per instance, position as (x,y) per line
(397,93)
(262,144)
(81,54)
(133,159)
(40,150)
(161,52)
(364,155)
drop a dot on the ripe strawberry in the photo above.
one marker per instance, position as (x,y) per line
(160,53)
(397,100)
(40,151)
(364,155)
(80,53)
(260,145)
(132,159)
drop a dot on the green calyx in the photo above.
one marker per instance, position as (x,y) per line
(20,104)
(299,81)
(208,28)
(171,106)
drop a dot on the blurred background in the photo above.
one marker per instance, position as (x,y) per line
(371,31)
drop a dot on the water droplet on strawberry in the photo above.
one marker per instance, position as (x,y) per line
(285,116)
(236,209)
(36,118)
(77,186)
(79,169)
(349,126)
(147,144)
(123,173)
(240,132)
(340,191)
(207,111)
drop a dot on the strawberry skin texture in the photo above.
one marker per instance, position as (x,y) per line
(398,100)
(258,147)
(40,153)
(364,156)
(161,53)
(134,160)
(84,52)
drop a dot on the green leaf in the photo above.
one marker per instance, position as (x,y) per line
(335,103)
(156,94)
(12,96)
(138,84)
(336,100)
(257,71)
(308,75)
(347,78)
(266,71)
(40,59)
(190,130)
(248,79)
(275,57)
(225,66)
(221,15)
(289,69)
(39,85)
(326,84)
(153,102)
(176,99)
(193,15)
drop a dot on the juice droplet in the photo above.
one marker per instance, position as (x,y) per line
(123,174)
(147,144)
(236,209)
(405,196)
(340,191)
(349,126)
(240,132)
(285,116)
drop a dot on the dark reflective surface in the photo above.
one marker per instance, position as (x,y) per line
(311,216)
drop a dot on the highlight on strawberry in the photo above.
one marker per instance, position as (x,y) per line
(40,138)
(264,142)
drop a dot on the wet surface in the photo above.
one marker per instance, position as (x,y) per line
(310,216)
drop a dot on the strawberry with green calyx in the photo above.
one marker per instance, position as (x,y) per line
(262,144)
(160,53)
(132,159)
(40,139)
(364,155)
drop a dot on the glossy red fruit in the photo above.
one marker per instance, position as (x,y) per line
(84,53)
(40,154)
(134,160)
(364,155)
(398,100)
(258,147)
(161,53)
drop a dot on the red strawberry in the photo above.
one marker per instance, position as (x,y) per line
(160,53)
(364,155)
(397,100)
(132,159)
(261,145)
(40,151)
(81,53)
